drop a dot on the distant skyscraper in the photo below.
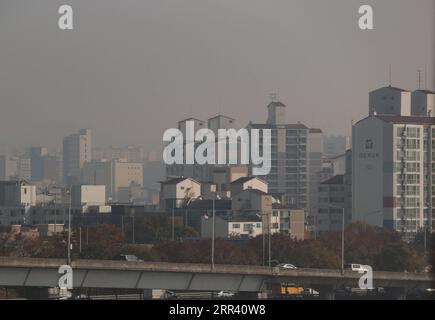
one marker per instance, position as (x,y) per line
(334,146)
(77,150)
(24,168)
(315,154)
(8,168)
(36,158)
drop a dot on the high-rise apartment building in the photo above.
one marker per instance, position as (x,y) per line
(290,150)
(24,168)
(193,171)
(393,163)
(77,150)
(201,172)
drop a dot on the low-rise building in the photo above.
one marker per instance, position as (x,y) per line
(227,226)
(245,183)
(177,191)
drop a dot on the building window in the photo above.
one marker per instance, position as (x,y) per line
(236,226)
(247,227)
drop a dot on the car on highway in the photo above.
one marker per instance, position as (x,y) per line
(287,266)
(353,266)
(169,295)
(128,257)
(225,294)
(79,297)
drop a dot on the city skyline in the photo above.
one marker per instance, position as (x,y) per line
(241,54)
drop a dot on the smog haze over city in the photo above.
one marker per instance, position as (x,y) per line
(235,152)
(131,69)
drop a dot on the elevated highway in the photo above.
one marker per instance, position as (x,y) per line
(196,277)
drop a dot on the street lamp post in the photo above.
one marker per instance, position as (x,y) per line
(173,219)
(342,243)
(69,226)
(212,235)
(270,238)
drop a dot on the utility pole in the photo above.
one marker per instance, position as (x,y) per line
(342,243)
(212,236)
(69,227)
(270,238)
(173,220)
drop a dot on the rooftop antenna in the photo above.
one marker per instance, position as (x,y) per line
(419,78)
(425,76)
(389,75)
(190,111)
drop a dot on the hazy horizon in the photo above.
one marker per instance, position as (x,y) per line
(131,69)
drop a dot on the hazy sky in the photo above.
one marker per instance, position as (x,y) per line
(130,69)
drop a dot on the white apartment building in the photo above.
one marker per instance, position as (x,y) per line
(291,147)
(246,226)
(202,173)
(393,164)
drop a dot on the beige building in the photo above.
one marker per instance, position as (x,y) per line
(115,175)
(245,183)
(8,168)
(223,176)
